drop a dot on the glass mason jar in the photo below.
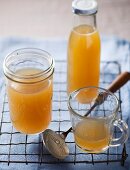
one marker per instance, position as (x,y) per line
(29,84)
(83,62)
(94,133)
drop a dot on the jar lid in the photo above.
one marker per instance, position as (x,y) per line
(84,7)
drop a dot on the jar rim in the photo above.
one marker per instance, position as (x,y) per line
(24,78)
(74,93)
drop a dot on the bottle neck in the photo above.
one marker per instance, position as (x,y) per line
(89,20)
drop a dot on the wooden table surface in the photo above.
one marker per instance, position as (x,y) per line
(53,18)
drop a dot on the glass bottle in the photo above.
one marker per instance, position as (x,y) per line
(83,62)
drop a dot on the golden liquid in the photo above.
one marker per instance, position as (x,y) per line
(92,135)
(83,58)
(30,104)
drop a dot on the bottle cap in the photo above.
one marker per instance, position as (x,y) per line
(84,7)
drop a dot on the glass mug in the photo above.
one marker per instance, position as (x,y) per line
(29,84)
(95,133)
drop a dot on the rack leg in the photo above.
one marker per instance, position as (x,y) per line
(124,156)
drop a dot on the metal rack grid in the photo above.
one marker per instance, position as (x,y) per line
(19,148)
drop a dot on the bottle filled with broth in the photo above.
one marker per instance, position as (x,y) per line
(83,62)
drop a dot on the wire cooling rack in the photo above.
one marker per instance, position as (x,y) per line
(29,149)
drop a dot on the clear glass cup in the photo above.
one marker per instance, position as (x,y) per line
(95,133)
(29,84)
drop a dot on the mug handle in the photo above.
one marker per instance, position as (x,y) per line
(124,136)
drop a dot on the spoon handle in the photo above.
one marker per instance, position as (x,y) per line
(89,111)
(64,134)
(113,87)
(119,82)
